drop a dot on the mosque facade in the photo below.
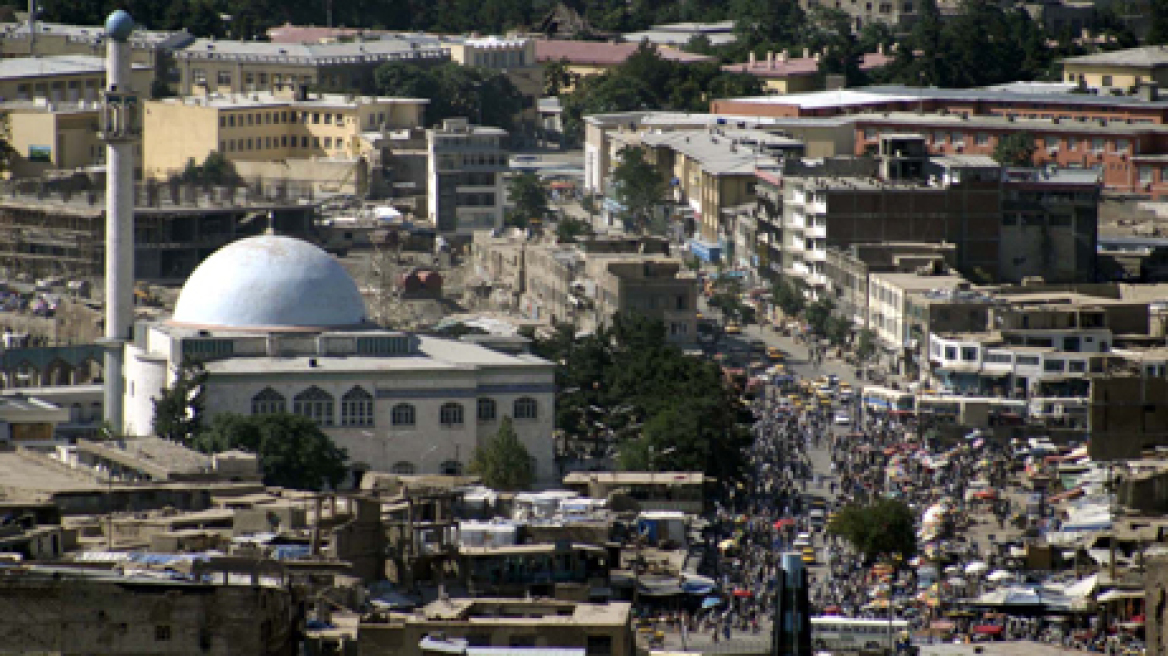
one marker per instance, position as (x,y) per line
(280,326)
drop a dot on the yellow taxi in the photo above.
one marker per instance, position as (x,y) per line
(733,329)
(775,354)
(809,556)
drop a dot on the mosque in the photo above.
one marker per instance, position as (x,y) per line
(281,327)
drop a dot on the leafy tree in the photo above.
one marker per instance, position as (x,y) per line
(216,169)
(638,186)
(880,529)
(569,229)
(768,24)
(788,297)
(557,77)
(865,344)
(503,462)
(837,330)
(482,96)
(529,197)
(1015,149)
(178,411)
(818,313)
(727,297)
(293,451)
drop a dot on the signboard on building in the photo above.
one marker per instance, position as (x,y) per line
(40,153)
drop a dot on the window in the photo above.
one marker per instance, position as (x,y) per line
(451,468)
(950,352)
(224,79)
(487,410)
(969,353)
(328,119)
(357,408)
(328,141)
(526,408)
(268,402)
(1097,144)
(1106,81)
(1077,366)
(316,404)
(450,414)
(403,468)
(1146,175)
(1054,365)
(162,633)
(1071,344)
(402,415)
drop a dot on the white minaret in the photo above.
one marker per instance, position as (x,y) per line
(120,132)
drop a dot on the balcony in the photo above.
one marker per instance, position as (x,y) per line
(818,230)
(816,255)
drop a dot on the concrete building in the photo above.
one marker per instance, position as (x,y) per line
(588,58)
(210,66)
(47,136)
(465,165)
(74,611)
(62,78)
(1122,71)
(280,326)
(848,270)
(487,622)
(148,48)
(781,73)
(586,284)
(888,311)
(679,35)
(296,135)
(62,233)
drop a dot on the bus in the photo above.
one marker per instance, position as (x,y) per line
(852,634)
(883,399)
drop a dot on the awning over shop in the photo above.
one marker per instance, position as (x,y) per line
(705,252)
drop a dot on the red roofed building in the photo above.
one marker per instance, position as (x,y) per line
(584,58)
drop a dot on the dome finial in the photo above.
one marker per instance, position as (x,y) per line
(119,25)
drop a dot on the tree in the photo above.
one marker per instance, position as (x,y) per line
(293,451)
(638,186)
(215,170)
(818,313)
(865,344)
(727,298)
(503,462)
(837,330)
(178,410)
(569,229)
(1015,149)
(557,78)
(480,95)
(879,529)
(788,297)
(529,198)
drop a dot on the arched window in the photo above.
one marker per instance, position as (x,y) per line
(357,408)
(316,404)
(526,408)
(268,402)
(402,415)
(451,468)
(450,414)
(488,410)
(403,468)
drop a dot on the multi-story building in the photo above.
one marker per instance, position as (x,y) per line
(1004,224)
(504,623)
(1036,344)
(781,73)
(291,134)
(1118,70)
(63,78)
(889,311)
(896,14)
(148,48)
(588,58)
(585,284)
(465,177)
(48,136)
(848,270)
(211,66)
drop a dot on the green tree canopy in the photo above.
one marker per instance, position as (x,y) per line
(865,344)
(293,451)
(818,313)
(649,396)
(178,410)
(880,529)
(1015,149)
(638,185)
(529,198)
(788,297)
(503,462)
(570,229)
(482,96)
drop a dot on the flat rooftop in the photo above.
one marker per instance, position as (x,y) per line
(19,68)
(269,99)
(538,612)
(637,478)
(911,282)
(871,95)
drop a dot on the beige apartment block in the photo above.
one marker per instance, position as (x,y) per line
(51,136)
(267,127)
(66,78)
